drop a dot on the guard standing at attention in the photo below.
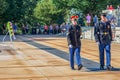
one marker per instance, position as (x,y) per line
(74,42)
(103,37)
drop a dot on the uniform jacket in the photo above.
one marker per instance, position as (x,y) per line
(73,36)
(103,33)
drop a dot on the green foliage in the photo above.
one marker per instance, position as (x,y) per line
(19,10)
(48,11)
(27,10)
(3,6)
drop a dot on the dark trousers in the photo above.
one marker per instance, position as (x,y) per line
(102,48)
(75,51)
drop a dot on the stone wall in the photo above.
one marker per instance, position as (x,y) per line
(89,34)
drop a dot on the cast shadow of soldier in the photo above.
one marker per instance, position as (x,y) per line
(92,66)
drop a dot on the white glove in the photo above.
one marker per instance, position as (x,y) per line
(81,37)
(98,43)
(70,46)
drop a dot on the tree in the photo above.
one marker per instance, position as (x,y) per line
(28,11)
(19,10)
(47,12)
(3,8)
(67,5)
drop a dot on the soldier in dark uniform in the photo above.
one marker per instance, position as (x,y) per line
(103,37)
(74,42)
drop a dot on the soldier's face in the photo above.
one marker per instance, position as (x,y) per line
(103,18)
(74,22)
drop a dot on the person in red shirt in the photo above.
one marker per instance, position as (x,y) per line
(110,7)
(46,29)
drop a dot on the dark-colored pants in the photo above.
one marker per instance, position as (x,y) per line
(107,48)
(75,51)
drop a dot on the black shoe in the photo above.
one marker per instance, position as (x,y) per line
(80,66)
(72,68)
(109,68)
(101,67)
